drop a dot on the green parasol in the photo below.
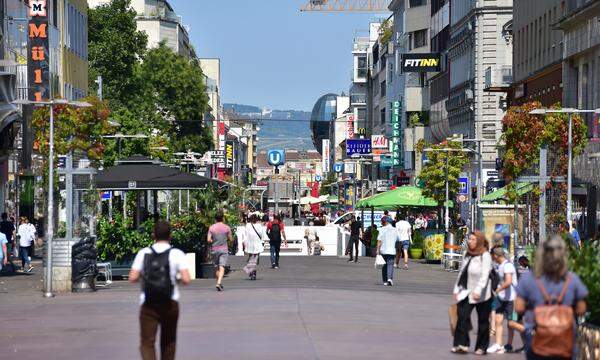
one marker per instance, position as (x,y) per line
(403,196)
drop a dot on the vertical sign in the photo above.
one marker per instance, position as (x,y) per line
(396,132)
(325,154)
(38,60)
(221,164)
(350,126)
(229,155)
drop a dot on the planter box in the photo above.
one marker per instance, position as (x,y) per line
(588,342)
(415,253)
(205,270)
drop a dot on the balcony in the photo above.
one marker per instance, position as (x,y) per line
(498,78)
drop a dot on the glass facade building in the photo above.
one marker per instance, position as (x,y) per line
(323,113)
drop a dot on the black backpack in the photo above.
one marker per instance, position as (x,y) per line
(494,279)
(157,284)
(275,233)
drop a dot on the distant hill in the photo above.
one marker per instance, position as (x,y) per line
(282,129)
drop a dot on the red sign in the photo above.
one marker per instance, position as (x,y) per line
(38,68)
(350,127)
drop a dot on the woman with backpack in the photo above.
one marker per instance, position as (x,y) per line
(473,290)
(253,244)
(550,297)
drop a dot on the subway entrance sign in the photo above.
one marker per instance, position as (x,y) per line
(428,62)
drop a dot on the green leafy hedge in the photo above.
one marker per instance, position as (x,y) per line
(584,263)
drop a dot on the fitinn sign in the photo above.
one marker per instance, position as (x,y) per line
(38,66)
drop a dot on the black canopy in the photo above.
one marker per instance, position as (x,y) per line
(142,173)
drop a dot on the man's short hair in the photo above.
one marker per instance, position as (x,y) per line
(383,220)
(498,251)
(162,230)
(219,216)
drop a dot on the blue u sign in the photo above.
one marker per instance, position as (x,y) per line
(276,157)
(338,168)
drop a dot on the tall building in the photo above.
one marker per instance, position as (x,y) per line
(439,82)
(158,19)
(478,45)
(537,52)
(212,72)
(580,24)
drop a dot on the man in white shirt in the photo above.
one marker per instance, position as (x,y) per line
(26,234)
(160,294)
(386,247)
(404,230)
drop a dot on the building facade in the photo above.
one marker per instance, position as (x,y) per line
(478,45)
(537,52)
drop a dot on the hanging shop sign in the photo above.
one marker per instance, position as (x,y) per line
(358,146)
(38,59)
(325,156)
(396,135)
(429,62)
(386,162)
(229,154)
(350,126)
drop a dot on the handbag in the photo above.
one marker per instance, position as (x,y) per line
(379,261)
(453,317)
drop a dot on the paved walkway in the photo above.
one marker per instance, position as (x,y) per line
(311,308)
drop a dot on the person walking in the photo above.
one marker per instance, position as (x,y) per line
(506,295)
(472,289)
(276,232)
(551,287)
(8,229)
(310,234)
(355,235)
(26,234)
(157,267)
(386,247)
(564,229)
(404,229)
(253,244)
(218,236)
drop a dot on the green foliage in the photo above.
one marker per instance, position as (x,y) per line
(386,31)
(417,240)
(115,49)
(442,165)
(75,129)
(584,263)
(325,188)
(153,92)
(117,242)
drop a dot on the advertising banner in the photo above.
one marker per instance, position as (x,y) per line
(38,59)
(396,135)
(358,146)
(350,126)
(325,156)
(429,62)
(229,146)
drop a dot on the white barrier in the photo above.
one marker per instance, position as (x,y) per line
(332,238)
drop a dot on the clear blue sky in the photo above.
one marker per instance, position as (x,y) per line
(271,54)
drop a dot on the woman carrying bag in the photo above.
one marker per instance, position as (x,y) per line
(255,234)
(473,290)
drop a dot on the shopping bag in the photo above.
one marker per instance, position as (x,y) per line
(453,317)
(379,261)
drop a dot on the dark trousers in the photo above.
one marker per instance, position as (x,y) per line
(461,335)
(353,247)
(275,247)
(387,271)
(151,316)
(24,255)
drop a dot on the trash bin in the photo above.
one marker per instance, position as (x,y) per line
(83,265)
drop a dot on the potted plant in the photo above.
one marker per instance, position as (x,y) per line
(416,249)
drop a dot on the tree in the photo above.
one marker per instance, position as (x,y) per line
(442,166)
(75,129)
(115,50)
(177,88)
(325,188)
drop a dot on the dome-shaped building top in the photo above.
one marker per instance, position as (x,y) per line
(324,111)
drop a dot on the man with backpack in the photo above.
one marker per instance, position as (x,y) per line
(157,267)
(276,232)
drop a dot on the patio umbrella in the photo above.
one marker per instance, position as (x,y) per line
(403,196)
(308,200)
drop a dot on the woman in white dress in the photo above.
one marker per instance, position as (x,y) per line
(253,244)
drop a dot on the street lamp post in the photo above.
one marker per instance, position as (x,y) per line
(570,112)
(50,226)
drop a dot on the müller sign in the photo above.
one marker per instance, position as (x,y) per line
(429,62)
(38,67)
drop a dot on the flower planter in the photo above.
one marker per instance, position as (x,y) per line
(415,253)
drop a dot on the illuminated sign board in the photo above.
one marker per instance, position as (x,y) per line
(38,59)
(429,62)
(229,154)
(358,146)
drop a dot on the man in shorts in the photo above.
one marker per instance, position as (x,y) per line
(404,230)
(218,235)
(506,295)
